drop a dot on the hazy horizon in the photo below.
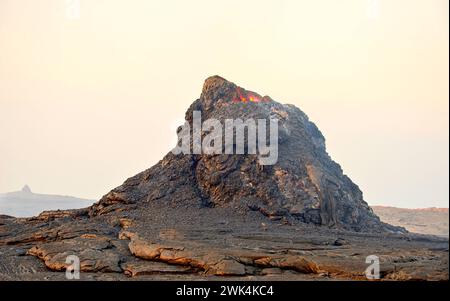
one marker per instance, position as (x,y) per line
(88,100)
(3,193)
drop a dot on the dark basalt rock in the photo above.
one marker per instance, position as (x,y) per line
(305,184)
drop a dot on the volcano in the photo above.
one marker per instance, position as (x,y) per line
(196,215)
(305,185)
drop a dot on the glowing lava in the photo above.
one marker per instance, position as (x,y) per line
(247,96)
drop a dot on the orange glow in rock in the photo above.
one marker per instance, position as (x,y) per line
(247,96)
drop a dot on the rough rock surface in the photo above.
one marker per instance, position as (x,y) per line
(215,216)
(304,185)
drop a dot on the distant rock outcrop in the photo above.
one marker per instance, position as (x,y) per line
(425,220)
(26,189)
(25,203)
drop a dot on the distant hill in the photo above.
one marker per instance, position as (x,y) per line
(426,221)
(25,203)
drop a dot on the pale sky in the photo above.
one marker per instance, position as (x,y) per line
(89,100)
